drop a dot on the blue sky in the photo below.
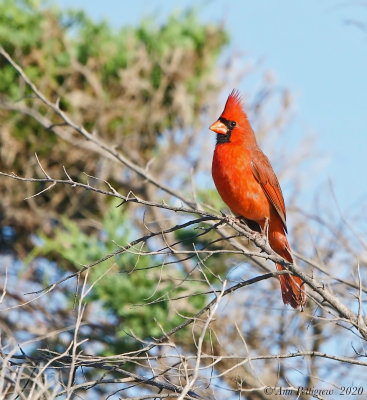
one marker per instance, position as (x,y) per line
(311,48)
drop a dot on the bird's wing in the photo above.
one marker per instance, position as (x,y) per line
(264,174)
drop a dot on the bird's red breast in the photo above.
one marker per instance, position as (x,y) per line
(236,184)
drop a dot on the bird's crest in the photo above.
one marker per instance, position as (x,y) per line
(233,109)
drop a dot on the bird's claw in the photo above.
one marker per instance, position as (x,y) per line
(230,218)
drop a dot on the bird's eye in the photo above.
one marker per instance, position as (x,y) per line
(232,124)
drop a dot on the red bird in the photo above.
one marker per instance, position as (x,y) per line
(248,185)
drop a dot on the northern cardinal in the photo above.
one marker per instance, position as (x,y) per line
(248,185)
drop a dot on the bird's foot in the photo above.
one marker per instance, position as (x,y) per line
(230,217)
(260,234)
(262,241)
(256,231)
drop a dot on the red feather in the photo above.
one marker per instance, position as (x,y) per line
(248,185)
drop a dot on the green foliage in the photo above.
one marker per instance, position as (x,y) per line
(124,284)
(51,39)
(135,86)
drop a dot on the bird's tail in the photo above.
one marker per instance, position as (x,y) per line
(293,289)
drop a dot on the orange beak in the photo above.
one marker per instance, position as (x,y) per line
(219,127)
